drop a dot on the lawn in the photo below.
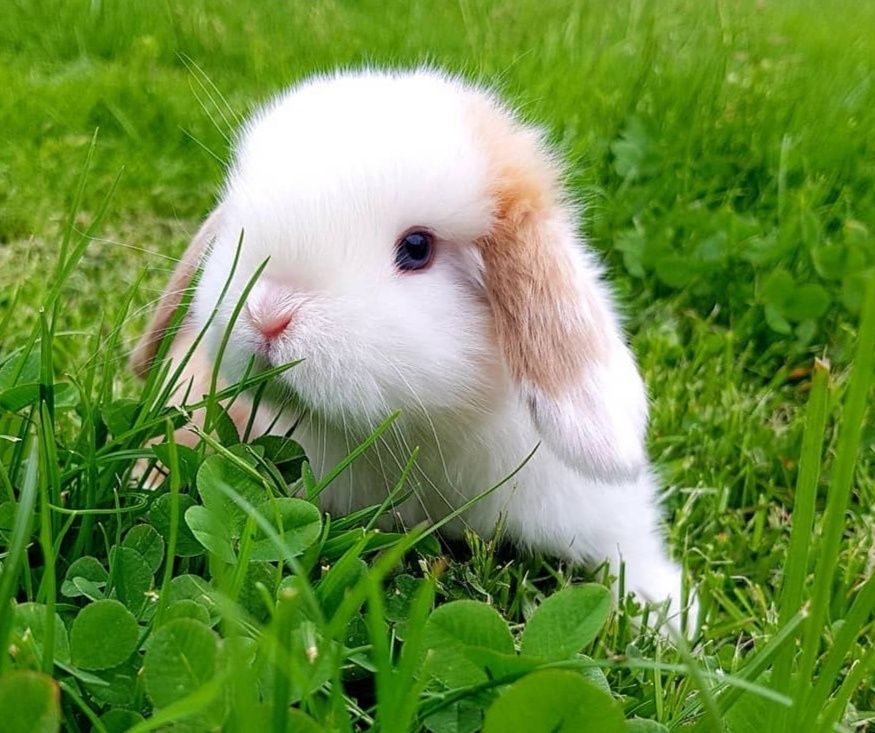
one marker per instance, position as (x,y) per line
(724,152)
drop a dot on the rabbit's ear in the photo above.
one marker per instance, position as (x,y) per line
(146,350)
(554,318)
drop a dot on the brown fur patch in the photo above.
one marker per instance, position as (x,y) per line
(196,376)
(547,328)
(145,351)
(195,381)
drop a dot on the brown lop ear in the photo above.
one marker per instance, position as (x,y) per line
(554,318)
(146,350)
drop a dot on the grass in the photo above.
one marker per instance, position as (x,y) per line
(725,154)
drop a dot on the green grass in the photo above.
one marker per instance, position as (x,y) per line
(725,154)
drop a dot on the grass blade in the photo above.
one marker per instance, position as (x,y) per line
(21,531)
(798,554)
(858,616)
(226,337)
(410,678)
(170,550)
(755,667)
(859,672)
(853,412)
(48,585)
(355,453)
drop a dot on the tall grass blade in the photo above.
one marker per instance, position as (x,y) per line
(752,670)
(798,554)
(853,412)
(173,538)
(212,404)
(860,672)
(48,585)
(329,477)
(860,613)
(21,531)
(70,226)
(410,679)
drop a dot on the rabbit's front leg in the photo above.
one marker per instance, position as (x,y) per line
(618,523)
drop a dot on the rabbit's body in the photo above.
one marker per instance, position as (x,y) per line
(546,505)
(422,256)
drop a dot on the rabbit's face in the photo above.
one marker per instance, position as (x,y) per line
(366,199)
(420,254)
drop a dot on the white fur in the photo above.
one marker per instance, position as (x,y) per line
(326,179)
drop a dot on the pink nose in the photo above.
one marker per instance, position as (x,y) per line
(271,325)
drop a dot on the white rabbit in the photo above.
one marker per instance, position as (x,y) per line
(422,255)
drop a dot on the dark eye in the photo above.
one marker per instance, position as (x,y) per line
(415,251)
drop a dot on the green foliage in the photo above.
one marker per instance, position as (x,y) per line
(554,700)
(723,154)
(28,633)
(638,725)
(103,635)
(566,622)
(29,703)
(219,522)
(181,656)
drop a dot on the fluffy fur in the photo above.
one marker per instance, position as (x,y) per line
(508,340)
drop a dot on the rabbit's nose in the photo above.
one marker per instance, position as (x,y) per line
(270,310)
(271,325)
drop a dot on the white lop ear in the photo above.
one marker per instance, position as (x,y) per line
(146,350)
(554,318)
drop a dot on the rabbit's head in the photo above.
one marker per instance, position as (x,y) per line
(421,254)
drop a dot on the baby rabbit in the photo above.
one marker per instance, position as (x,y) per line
(422,255)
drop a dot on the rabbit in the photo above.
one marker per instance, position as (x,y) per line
(423,255)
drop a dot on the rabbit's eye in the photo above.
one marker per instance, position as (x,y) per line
(414,251)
